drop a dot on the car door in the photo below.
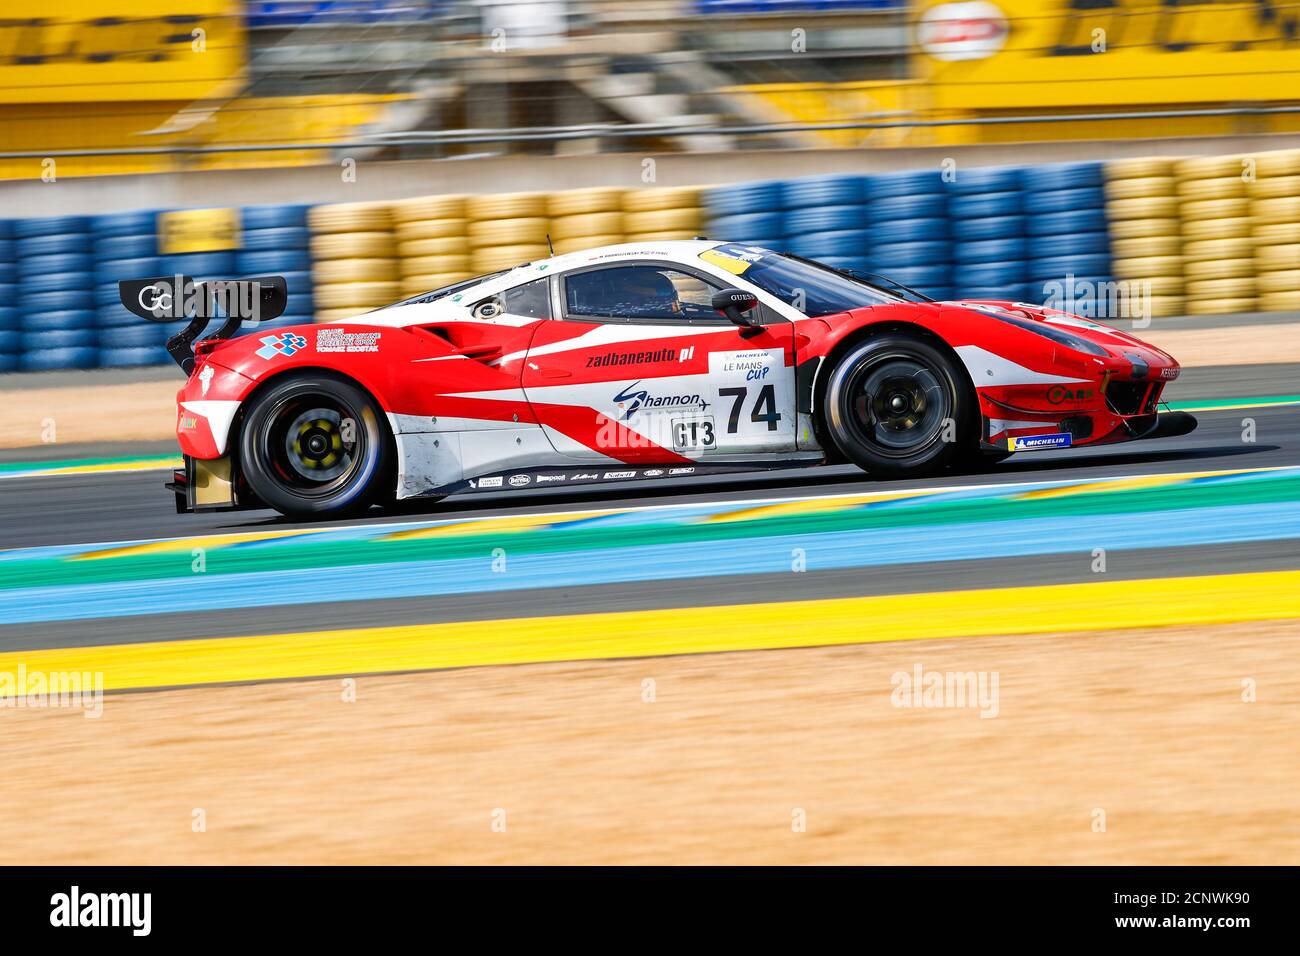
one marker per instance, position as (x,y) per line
(637,366)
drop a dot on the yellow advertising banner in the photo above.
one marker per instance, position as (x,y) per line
(197,230)
(1026,54)
(77,51)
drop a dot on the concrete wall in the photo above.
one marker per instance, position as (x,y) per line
(398,180)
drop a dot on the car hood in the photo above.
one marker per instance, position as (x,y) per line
(1115,341)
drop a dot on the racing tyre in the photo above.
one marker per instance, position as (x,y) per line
(887,402)
(295,453)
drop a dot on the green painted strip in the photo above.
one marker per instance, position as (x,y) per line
(1213,403)
(305,554)
(90,464)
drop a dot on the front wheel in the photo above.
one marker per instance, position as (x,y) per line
(314,446)
(898,405)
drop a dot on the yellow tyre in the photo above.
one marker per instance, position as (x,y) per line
(496,258)
(1227,187)
(1281,258)
(1279,302)
(346,295)
(1220,306)
(434,265)
(1146,246)
(429,207)
(507,206)
(1282,162)
(658,198)
(341,314)
(588,224)
(1145,267)
(1139,228)
(1276,233)
(1201,289)
(1162,285)
(327,271)
(508,232)
(1147,207)
(1219,249)
(431,229)
(583,202)
(1142,167)
(1267,211)
(1220,269)
(1199,209)
(582,243)
(416,285)
(663,220)
(1287,280)
(353,245)
(1140,188)
(1166,306)
(1274,187)
(671,235)
(1211,167)
(349,217)
(449,246)
(1202,229)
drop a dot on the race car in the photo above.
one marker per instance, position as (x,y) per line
(644,361)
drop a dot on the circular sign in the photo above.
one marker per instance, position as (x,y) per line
(962,31)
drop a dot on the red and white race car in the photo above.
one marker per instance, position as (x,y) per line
(643,361)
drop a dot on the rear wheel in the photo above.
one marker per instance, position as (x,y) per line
(314,445)
(898,405)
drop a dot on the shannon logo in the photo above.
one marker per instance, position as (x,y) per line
(637,398)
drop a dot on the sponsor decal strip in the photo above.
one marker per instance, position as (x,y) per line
(1109,605)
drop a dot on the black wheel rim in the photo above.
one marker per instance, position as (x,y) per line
(313,445)
(897,404)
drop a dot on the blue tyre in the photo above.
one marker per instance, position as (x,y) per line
(906,207)
(270,263)
(134,357)
(1051,176)
(1072,244)
(273,217)
(112,271)
(126,247)
(904,255)
(991,250)
(10,361)
(820,245)
(10,341)
(48,360)
(135,223)
(809,191)
(50,226)
(62,321)
(1067,200)
(996,227)
(985,205)
(10,317)
(53,282)
(742,198)
(1070,221)
(910,230)
(201,265)
(821,219)
(990,274)
(65,243)
(1058,267)
(742,228)
(62,339)
(887,185)
(47,301)
(254,240)
(146,335)
(987,179)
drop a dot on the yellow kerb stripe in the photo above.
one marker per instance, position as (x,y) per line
(1108,605)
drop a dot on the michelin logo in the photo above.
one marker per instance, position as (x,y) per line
(1039,442)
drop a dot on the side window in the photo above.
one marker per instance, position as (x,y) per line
(639,292)
(532,299)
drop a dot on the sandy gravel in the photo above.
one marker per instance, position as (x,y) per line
(1149,728)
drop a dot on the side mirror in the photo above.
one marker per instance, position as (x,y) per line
(734,304)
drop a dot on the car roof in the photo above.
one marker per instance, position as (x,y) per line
(397,315)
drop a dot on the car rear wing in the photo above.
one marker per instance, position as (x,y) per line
(177,297)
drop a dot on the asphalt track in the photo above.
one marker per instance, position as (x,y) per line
(337,616)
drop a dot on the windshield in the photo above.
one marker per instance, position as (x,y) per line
(436,294)
(810,287)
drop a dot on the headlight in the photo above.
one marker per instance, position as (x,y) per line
(1056,334)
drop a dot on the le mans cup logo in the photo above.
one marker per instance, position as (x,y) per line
(962,31)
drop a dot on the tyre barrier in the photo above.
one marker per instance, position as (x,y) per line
(341,235)
(1147,242)
(1211,195)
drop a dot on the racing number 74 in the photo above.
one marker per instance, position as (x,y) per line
(766,400)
